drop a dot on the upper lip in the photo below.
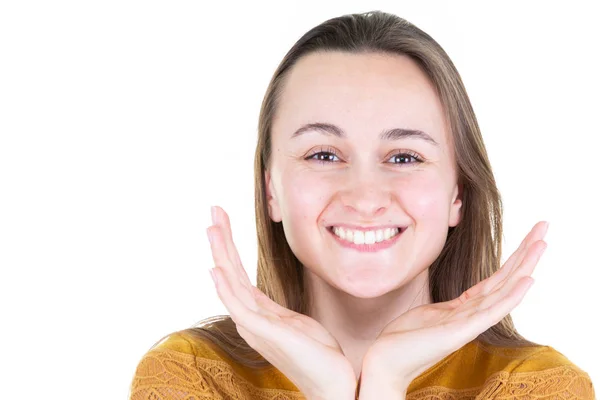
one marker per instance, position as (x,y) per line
(365,228)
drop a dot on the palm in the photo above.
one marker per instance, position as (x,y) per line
(415,338)
(306,332)
(419,338)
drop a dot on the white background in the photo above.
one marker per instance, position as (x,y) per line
(121,122)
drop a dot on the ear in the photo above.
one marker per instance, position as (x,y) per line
(272,202)
(455,207)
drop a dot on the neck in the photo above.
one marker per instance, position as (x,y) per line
(356,322)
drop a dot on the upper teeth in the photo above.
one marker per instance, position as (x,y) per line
(365,237)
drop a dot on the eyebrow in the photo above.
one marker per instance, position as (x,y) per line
(388,134)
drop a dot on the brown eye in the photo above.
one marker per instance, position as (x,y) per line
(323,156)
(405,158)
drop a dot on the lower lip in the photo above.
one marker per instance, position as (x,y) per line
(367,247)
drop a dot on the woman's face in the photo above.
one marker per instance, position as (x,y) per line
(345,174)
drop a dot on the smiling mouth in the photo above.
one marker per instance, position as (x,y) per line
(368,237)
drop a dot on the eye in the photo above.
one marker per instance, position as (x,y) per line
(329,155)
(405,157)
(324,155)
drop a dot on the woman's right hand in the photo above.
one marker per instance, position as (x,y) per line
(297,345)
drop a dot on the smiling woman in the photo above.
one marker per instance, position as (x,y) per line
(378,172)
(379,229)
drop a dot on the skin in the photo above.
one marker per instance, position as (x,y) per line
(358,293)
(373,314)
(306,353)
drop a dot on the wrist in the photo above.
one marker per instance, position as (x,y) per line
(379,389)
(334,394)
(374,383)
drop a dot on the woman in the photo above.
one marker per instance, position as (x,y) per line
(379,229)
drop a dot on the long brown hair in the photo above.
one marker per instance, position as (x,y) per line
(473,248)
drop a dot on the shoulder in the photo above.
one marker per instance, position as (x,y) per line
(169,370)
(545,373)
(184,366)
(185,343)
(495,372)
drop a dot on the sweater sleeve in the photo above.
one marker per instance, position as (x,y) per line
(169,372)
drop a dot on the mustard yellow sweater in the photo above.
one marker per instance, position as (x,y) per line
(184,368)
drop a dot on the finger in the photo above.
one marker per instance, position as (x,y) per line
(485,301)
(241,314)
(537,233)
(269,305)
(223,220)
(526,268)
(491,283)
(221,260)
(467,295)
(490,316)
(263,331)
(467,326)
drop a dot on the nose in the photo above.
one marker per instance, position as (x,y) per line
(366,194)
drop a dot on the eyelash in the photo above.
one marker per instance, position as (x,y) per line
(332,151)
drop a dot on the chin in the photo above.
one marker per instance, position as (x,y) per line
(369,285)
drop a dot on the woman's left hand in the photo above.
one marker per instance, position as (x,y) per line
(421,337)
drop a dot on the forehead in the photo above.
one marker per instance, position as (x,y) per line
(360,92)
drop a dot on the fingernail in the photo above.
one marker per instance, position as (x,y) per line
(213,214)
(210,238)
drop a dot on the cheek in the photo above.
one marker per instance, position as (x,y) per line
(305,196)
(424,197)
